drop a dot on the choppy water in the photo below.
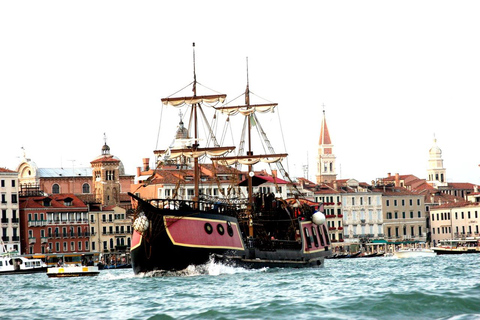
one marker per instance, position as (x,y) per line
(442,287)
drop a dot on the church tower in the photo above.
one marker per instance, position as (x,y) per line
(326,158)
(106,179)
(436,172)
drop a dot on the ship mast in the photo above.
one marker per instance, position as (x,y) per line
(195,151)
(196,175)
(249,153)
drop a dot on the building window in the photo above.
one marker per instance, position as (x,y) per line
(388,203)
(86,188)
(55,189)
(2,183)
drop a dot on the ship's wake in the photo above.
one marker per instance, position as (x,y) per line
(211,268)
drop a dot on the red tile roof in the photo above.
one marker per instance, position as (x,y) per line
(57,202)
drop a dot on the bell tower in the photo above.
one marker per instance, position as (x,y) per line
(437,174)
(326,158)
(105,175)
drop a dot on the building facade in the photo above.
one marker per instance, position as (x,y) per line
(362,213)
(110,229)
(404,217)
(455,220)
(9,208)
(54,224)
(104,182)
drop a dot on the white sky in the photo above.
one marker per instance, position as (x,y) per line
(390,73)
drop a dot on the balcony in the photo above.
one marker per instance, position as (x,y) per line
(43,239)
(5,238)
(15,238)
(4,220)
(37,223)
(331,228)
(340,228)
(32,240)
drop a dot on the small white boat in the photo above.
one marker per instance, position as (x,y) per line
(73,271)
(14,264)
(414,252)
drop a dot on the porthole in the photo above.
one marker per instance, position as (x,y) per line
(220,229)
(208,228)
(229,229)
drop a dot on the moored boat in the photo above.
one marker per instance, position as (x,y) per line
(458,246)
(12,263)
(252,230)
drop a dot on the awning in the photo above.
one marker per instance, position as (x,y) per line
(258,180)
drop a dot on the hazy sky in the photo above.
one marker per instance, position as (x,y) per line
(391,74)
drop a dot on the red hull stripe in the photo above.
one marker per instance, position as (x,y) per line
(190,232)
(313,249)
(136,239)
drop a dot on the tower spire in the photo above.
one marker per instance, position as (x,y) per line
(326,158)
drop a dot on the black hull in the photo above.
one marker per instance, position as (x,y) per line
(450,252)
(182,237)
(24,271)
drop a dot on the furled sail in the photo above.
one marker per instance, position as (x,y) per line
(247,110)
(251,159)
(180,101)
(194,153)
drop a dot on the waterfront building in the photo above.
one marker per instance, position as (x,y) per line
(362,212)
(9,207)
(109,185)
(326,171)
(110,229)
(455,220)
(57,223)
(404,218)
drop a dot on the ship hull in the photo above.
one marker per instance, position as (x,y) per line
(176,239)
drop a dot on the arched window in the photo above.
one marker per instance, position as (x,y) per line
(86,188)
(55,189)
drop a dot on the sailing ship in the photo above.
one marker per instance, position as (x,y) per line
(254,231)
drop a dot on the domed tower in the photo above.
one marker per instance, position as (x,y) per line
(436,172)
(326,158)
(106,170)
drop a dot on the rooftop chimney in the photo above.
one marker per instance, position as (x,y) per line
(397,180)
(146,162)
